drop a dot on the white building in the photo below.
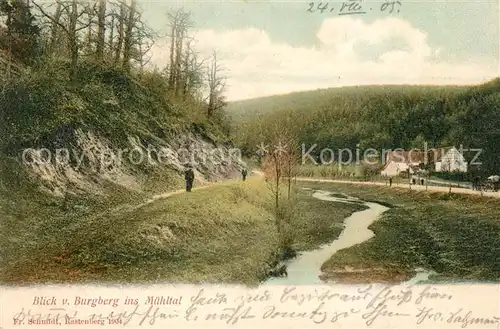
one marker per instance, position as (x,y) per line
(400,161)
(394,168)
(449,159)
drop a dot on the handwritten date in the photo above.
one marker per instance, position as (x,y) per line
(352,7)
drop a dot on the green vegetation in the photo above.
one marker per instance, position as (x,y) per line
(93,78)
(184,238)
(454,235)
(40,106)
(379,117)
(318,222)
(326,171)
(359,172)
(69,83)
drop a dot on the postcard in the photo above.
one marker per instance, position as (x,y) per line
(244,163)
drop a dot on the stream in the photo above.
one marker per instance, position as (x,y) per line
(306,267)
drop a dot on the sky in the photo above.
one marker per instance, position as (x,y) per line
(276,47)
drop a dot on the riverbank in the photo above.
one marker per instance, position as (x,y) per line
(202,236)
(318,221)
(305,269)
(456,236)
(405,187)
(224,233)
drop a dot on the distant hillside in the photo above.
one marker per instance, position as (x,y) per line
(251,108)
(379,117)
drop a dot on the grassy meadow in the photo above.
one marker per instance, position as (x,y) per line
(456,236)
(226,233)
(223,233)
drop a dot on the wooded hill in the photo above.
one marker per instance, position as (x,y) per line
(76,73)
(81,61)
(379,117)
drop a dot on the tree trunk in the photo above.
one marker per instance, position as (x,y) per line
(178,61)
(73,43)
(89,35)
(74,60)
(171,77)
(210,104)
(121,20)
(289,186)
(55,29)
(101,32)
(127,44)
(111,36)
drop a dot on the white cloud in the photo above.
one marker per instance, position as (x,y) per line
(257,66)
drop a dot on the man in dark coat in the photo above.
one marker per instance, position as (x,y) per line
(244,173)
(475,183)
(189,177)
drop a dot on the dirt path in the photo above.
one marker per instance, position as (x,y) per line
(405,186)
(443,189)
(159,197)
(171,193)
(305,179)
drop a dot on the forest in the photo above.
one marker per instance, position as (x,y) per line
(88,64)
(77,63)
(379,117)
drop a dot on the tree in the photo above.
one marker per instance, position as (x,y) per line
(192,72)
(55,29)
(142,40)
(216,86)
(19,37)
(279,166)
(101,31)
(179,23)
(120,18)
(128,37)
(291,157)
(72,7)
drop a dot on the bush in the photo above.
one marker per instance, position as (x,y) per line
(455,176)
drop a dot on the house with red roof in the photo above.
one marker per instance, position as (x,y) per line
(400,161)
(445,159)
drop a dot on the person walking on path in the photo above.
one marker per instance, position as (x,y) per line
(244,173)
(390,181)
(189,176)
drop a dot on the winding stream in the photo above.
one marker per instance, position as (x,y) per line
(306,267)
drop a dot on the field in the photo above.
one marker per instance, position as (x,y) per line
(456,236)
(223,233)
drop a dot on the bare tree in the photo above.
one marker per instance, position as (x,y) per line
(89,39)
(272,166)
(279,166)
(179,24)
(290,167)
(74,11)
(142,41)
(192,71)
(216,86)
